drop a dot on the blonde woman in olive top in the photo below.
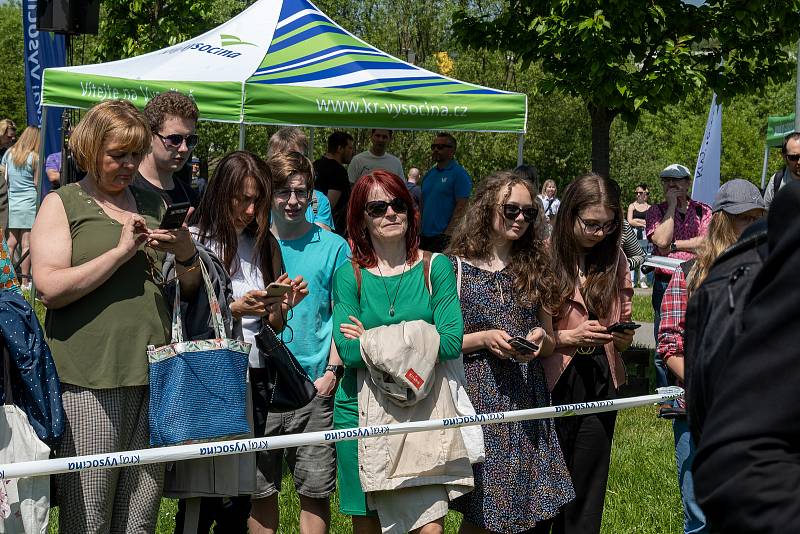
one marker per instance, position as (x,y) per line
(384,227)
(96,257)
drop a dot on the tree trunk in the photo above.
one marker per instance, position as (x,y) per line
(601,138)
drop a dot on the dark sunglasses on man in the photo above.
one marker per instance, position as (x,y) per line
(794,158)
(176,140)
(378,208)
(512,211)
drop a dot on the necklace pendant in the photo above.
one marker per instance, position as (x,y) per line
(391,310)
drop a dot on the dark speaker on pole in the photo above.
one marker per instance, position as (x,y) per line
(71,17)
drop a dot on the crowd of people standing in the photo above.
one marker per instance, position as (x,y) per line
(498,298)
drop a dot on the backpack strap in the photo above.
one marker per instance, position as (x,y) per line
(776,181)
(427,258)
(314,203)
(357,274)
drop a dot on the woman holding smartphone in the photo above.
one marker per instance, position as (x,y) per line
(594,288)
(507,290)
(93,248)
(232,224)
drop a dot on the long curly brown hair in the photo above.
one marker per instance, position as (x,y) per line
(601,288)
(534,278)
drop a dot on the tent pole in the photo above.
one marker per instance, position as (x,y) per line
(520,146)
(764,168)
(241,136)
(42,176)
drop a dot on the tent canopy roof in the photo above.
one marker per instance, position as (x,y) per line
(287,62)
(777,128)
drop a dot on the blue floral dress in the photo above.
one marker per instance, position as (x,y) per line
(524,479)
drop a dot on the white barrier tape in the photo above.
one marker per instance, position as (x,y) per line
(222,448)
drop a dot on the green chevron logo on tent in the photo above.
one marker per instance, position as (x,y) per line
(232,40)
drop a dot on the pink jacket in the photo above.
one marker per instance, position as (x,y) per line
(573,312)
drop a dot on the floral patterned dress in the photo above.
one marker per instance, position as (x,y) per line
(524,479)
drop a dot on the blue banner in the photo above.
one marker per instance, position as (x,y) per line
(42,50)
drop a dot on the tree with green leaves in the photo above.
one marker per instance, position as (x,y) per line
(622,57)
(12,83)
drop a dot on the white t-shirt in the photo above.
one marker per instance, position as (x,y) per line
(366,161)
(246,276)
(550,207)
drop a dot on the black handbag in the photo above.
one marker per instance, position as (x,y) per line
(286,384)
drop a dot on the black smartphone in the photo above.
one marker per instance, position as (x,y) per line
(520,344)
(174,216)
(619,327)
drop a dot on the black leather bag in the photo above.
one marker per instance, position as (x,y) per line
(286,384)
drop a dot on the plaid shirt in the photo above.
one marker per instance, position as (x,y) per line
(673,319)
(687,227)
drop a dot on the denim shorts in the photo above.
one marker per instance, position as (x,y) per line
(313,466)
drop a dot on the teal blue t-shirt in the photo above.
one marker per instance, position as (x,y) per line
(315,257)
(324,213)
(440,189)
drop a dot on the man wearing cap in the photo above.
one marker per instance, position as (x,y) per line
(790,150)
(676,228)
(198,182)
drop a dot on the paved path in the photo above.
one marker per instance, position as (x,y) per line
(644,336)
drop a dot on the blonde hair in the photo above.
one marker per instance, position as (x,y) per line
(548,183)
(27,144)
(721,235)
(5,124)
(112,119)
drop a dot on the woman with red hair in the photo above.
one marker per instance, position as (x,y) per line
(387,284)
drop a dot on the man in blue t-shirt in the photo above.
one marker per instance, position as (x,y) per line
(315,254)
(445,191)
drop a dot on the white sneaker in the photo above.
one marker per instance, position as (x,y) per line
(642,284)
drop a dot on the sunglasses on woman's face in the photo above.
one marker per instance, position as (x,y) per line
(512,211)
(378,208)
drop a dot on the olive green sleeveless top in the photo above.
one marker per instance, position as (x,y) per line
(100,340)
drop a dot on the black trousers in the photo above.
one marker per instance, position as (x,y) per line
(586,443)
(229,513)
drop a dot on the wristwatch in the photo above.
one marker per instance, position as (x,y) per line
(673,247)
(337,370)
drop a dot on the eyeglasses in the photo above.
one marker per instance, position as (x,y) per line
(512,211)
(793,157)
(378,208)
(593,228)
(286,194)
(437,146)
(176,140)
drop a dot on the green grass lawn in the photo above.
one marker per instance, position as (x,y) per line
(642,496)
(642,309)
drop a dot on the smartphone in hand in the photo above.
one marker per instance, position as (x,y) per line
(277,290)
(174,216)
(520,344)
(620,327)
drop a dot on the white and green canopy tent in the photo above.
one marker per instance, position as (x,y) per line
(284,62)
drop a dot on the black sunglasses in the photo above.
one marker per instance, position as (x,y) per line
(793,157)
(378,208)
(175,140)
(438,146)
(512,211)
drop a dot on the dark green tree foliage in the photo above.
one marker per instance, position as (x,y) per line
(12,82)
(622,57)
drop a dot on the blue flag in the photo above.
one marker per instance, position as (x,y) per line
(42,50)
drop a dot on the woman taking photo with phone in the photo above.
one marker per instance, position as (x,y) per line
(595,292)
(507,290)
(386,285)
(104,307)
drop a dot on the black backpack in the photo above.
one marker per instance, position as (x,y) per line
(714,319)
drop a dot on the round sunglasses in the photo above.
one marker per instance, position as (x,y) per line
(378,208)
(512,211)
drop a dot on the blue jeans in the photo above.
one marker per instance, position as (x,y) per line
(694,520)
(659,287)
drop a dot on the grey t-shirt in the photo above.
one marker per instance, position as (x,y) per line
(366,161)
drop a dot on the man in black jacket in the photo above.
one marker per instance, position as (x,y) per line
(747,466)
